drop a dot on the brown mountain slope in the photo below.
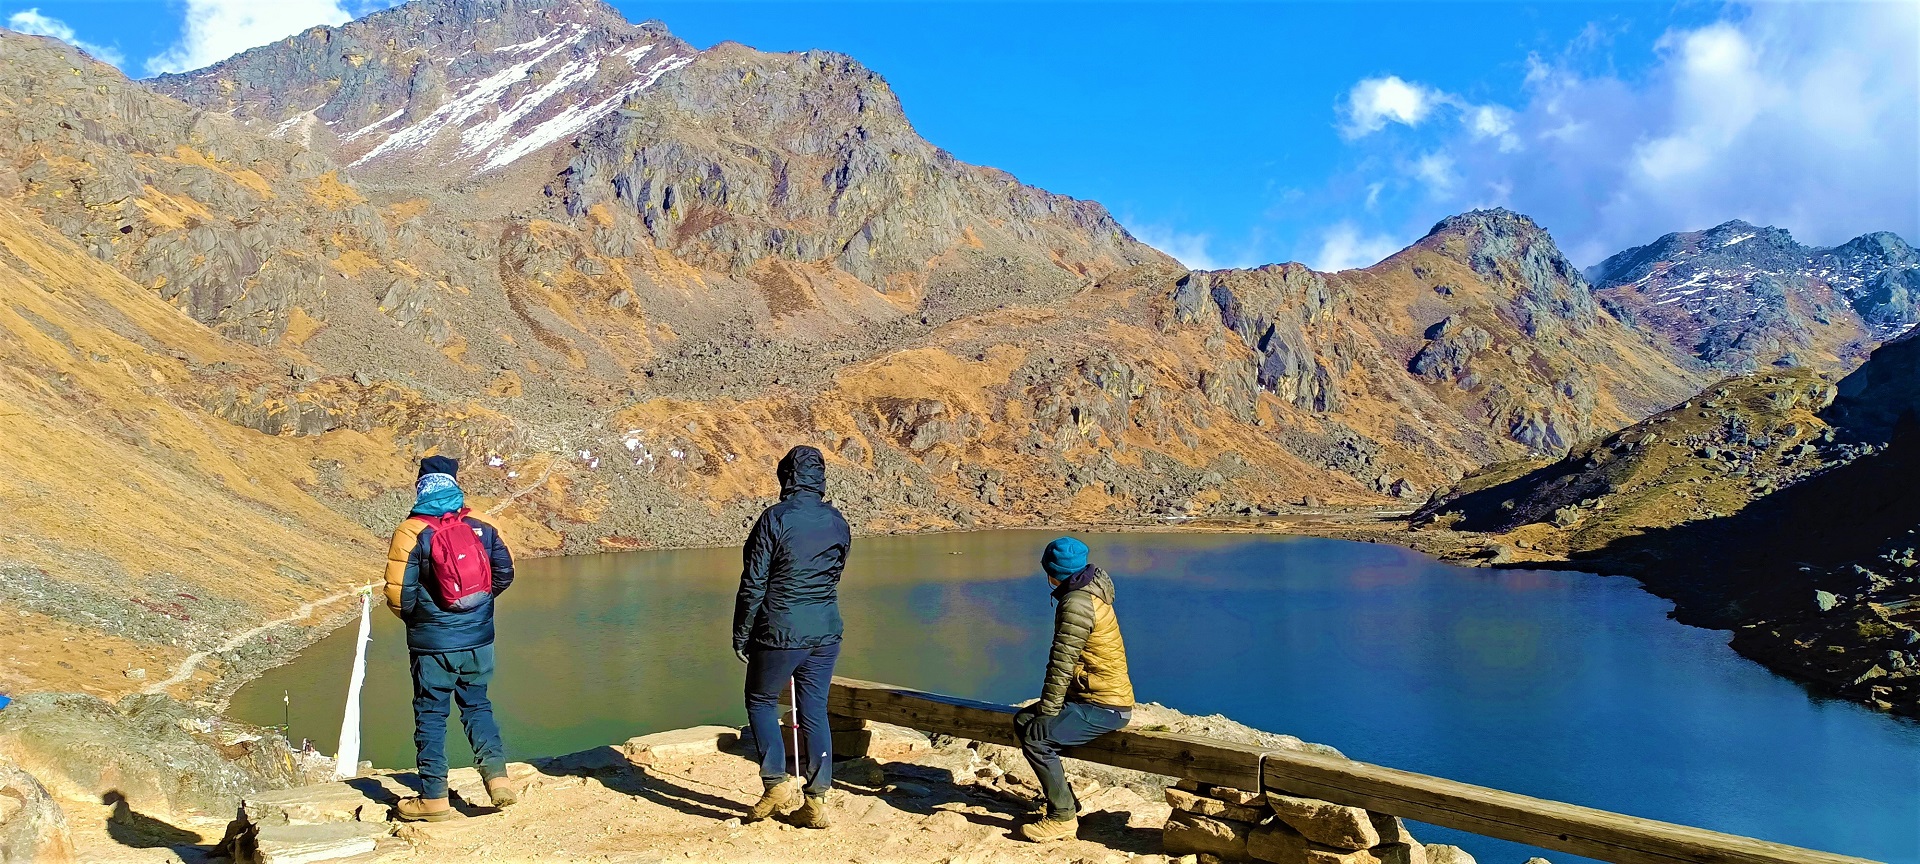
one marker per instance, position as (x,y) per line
(690,288)
(138,528)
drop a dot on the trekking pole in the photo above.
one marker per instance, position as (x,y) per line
(793,701)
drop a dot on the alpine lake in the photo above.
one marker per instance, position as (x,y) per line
(1560,685)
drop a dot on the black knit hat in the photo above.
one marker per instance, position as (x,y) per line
(439,465)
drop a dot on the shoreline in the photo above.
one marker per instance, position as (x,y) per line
(292,637)
(1370,525)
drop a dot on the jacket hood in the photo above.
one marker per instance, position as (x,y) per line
(803,470)
(1093,580)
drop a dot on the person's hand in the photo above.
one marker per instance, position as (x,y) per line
(741,654)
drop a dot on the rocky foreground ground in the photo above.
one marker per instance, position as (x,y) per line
(159,781)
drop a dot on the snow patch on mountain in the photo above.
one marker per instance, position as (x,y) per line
(576,118)
(528,104)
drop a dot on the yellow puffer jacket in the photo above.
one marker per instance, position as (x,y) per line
(1089,659)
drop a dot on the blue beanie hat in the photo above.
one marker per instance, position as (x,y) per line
(1064,557)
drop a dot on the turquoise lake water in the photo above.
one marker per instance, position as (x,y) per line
(1558,685)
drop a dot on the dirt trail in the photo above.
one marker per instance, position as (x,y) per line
(184,672)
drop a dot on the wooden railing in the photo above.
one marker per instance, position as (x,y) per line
(1552,825)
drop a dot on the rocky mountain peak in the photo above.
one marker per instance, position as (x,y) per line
(1886,246)
(1738,296)
(1509,249)
(1498,221)
(470,84)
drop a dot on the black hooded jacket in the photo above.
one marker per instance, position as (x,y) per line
(790,587)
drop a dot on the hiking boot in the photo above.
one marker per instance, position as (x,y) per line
(1050,829)
(812,814)
(500,789)
(423,809)
(780,798)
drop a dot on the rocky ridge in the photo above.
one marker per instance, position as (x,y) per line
(1797,489)
(1739,297)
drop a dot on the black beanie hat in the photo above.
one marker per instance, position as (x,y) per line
(439,465)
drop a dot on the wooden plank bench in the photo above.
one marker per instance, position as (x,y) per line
(1598,834)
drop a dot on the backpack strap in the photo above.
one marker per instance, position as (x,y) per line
(399,552)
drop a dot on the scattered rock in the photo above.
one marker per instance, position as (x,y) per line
(1187,833)
(1231,795)
(860,772)
(596,761)
(679,744)
(1440,853)
(1326,823)
(32,826)
(1208,806)
(1391,829)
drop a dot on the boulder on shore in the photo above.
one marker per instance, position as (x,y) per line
(159,755)
(32,827)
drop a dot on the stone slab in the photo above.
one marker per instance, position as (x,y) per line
(1241,797)
(841,724)
(1277,843)
(893,741)
(852,744)
(1326,823)
(679,744)
(303,844)
(1391,829)
(1206,805)
(342,801)
(1192,834)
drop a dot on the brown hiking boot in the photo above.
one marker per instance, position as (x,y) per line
(500,789)
(423,810)
(812,814)
(779,799)
(1050,829)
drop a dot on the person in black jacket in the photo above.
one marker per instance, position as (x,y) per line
(786,625)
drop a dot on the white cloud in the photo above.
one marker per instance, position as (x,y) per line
(1343,247)
(1496,122)
(31,22)
(1803,116)
(1436,170)
(1189,249)
(217,29)
(1375,101)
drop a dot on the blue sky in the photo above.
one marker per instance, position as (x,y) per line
(1331,133)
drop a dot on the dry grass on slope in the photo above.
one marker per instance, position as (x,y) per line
(135,523)
(1708,457)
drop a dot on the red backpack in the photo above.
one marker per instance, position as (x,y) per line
(460,562)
